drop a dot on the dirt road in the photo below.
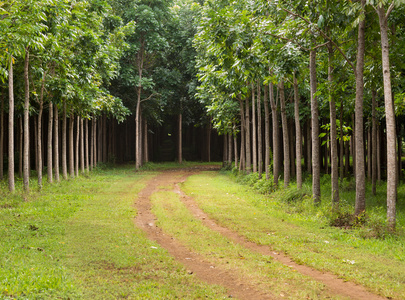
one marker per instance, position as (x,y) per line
(207,271)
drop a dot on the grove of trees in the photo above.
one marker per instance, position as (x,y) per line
(294,88)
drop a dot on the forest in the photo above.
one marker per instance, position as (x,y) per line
(285,89)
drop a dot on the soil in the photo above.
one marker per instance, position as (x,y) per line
(207,271)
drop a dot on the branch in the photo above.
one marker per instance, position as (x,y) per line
(324,35)
(389,10)
(146,99)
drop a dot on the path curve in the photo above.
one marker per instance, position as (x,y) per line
(215,275)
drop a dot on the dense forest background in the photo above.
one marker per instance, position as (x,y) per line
(287,89)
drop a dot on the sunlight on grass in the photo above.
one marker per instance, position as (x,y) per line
(377,264)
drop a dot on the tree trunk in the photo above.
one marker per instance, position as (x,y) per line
(146,142)
(39,140)
(254,131)
(341,143)
(259,129)
(20,147)
(11,181)
(298,141)
(2,137)
(247,136)
(374,142)
(56,143)
(64,142)
(86,139)
(333,135)
(49,153)
(266,132)
(286,143)
(104,137)
(99,144)
(180,139)
(390,119)
(77,146)
(360,204)
(369,153)
(26,171)
(82,146)
(71,146)
(276,147)
(316,168)
(242,165)
(235,146)
(230,141)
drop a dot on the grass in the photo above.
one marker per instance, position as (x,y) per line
(302,231)
(77,240)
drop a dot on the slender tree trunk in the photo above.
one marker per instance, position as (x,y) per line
(20,146)
(298,140)
(276,147)
(286,144)
(36,142)
(86,139)
(11,181)
(49,153)
(146,142)
(77,146)
(390,119)
(333,135)
(230,140)
(242,165)
(378,155)
(26,171)
(92,144)
(309,146)
(254,130)
(374,142)
(71,146)
(104,137)
(316,168)
(248,138)
(180,139)
(369,153)
(39,142)
(56,143)
(209,129)
(64,142)
(81,146)
(341,144)
(259,129)
(99,144)
(138,131)
(2,137)
(360,204)
(235,145)
(267,132)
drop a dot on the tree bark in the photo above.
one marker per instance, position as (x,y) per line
(316,168)
(11,181)
(26,168)
(64,142)
(82,163)
(360,204)
(341,143)
(2,137)
(235,146)
(20,146)
(298,140)
(39,135)
(374,142)
(254,131)
(104,138)
(71,146)
(180,139)
(49,153)
(87,145)
(242,165)
(276,147)
(56,143)
(259,130)
(390,119)
(230,146)
(77,146)
(286,144)
(266,132)
(333,135)
(247,136)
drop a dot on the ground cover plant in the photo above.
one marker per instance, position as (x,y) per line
(77,240)
(303,232)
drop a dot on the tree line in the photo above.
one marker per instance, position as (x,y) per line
(330,76)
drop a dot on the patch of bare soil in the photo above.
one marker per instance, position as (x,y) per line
(212,274)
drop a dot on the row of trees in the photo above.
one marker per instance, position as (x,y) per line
(72,69)
(316,66)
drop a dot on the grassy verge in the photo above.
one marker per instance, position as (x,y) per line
(77,240)
(303,234)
